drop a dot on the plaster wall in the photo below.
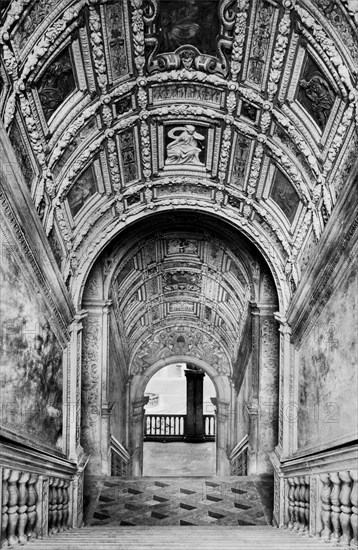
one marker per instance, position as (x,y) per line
(31,359)
(327,371)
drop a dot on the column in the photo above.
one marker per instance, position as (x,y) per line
(287,406)
(136,435)
(195,429)
(74,391)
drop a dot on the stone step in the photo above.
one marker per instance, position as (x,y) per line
(178,538)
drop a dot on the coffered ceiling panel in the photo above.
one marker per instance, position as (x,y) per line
(246,109)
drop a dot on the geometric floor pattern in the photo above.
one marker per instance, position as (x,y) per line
(231,501)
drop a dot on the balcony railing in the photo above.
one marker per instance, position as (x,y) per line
(171,427)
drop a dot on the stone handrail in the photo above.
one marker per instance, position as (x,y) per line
(318,496)
(120,459)
(238,457)
(40,496)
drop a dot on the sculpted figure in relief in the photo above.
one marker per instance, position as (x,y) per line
(184,149)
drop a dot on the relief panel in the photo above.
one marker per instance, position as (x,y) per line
(315,93)
(182,280)
(33,18)
(128,156)
(182,92)
(240,161)
(263,26)
(115,29)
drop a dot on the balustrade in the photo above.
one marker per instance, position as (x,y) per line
(339,507)
(19,501)
(298,504)
(172,426)
(23,503)
(210,425)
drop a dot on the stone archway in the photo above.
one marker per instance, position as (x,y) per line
(115,309)
(224,390)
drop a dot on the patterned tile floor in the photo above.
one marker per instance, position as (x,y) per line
(179,501)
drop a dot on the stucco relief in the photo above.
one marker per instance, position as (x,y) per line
(184,341)
(90,378)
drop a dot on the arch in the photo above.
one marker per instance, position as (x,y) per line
(223,387)
(114,231)
(258,329)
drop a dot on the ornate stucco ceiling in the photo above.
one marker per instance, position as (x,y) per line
(176,283)
(244,109)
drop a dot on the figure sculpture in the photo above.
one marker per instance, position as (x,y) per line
(184,149)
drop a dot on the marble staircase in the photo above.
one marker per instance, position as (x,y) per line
(178,538)
(180,513)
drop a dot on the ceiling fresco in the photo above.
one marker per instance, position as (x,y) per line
(244,109)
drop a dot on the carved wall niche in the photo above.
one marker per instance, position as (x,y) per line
(195,35)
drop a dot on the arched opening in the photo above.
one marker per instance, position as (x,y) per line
(179,423)
(170,292)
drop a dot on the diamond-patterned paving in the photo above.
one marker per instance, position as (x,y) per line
(179,501)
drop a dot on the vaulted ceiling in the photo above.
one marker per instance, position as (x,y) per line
(244,109)
(178,282)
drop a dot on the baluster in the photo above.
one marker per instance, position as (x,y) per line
(53,505)
(345,500)
(152,429)
(307,503)
(22,510)
(297,523)
(59,505)
(326,507)
(335,506)
(291,503)
(31,506)
(5,508)
(13,506)
(302,504)
(50,506)
(66,501)
(354,502)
